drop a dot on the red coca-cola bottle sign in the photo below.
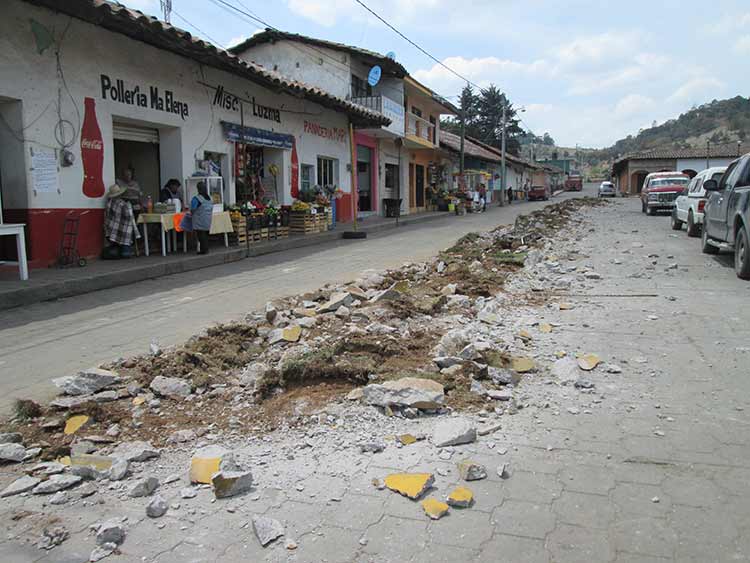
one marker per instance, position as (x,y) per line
(92,152)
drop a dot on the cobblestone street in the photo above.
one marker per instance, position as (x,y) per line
(653,465)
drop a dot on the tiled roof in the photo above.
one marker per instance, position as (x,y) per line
(389,66)
(141,27)
(452,142)
(726,150)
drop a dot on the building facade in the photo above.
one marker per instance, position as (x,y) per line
(115,89)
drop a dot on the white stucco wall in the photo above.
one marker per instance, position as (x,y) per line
(699,164)
(87,53)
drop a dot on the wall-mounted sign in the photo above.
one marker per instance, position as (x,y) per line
(395,112)
(333,133)
(92,151)
(390,55)
(141,97)
(259,137)
(229,101)
(374,77)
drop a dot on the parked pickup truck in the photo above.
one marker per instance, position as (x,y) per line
(688,207)
(660,190)
(726,219)
(574,183)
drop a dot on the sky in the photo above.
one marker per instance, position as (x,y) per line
(587,72)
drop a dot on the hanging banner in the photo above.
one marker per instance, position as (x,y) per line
(259,137)
(295,170)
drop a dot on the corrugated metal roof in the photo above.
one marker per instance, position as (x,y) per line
(389,66)
(141,27)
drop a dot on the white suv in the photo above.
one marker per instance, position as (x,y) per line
(689,206)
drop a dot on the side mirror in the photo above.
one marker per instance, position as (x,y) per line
(711,185)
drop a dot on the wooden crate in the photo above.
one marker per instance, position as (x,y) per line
(303,223)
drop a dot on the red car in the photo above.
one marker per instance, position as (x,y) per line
(538,192)
(574,183)
(661,189)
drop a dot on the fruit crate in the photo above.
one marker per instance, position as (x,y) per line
(303,223)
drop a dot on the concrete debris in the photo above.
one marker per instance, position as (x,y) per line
(56,483)
(88,473)
(372,447)
(453,432)
(102,551)
(271,312)
(434,508)
(412,392)
(135,451)
(477,388)
(20,485)
(48,468)
(252,373)
(86,382)
(157,507)
(52,537)
(460,497)
(188,492)
(210,460)
(154,348)
(587,362)
(87,490)
(342,299)
(111,531)
(565,369)
(521,364)
(230,483)
(447,361)
(171,387)
(12,452)
(119,469)
(10,438)
(76,422)
(500,394)
(502,471)
(412,485)
(471,471)
(500,376)
(389,294)
(267,529)
(182,436)
(60,497)
(343,312)
(143,487)
(489,429)
(584,383)
(612,368)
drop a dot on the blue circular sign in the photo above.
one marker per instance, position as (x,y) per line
(390,55)
(374,77)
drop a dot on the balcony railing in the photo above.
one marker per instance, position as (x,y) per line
(375,103)
(420,127)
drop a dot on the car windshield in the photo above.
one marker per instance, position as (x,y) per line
(717,176)
(659,182)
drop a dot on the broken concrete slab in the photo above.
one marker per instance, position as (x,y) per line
(500,394)
(454,431)
(460,497)
(587,362)
(157,507)
(10,438)
(170,387)
(522,364)
(414,392)
(412,485)
(75,422)
(230,483)
(98,462)
(267,529)
(111,531)
(471,471)
(565,369)
(434,508)
(86,382)
(209,460)
(143,487)
(119,469)
(341,299)
(12,452)
(56,483)
(135,451)
(20,485)
(102,551)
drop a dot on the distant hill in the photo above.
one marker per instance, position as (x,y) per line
(720,122)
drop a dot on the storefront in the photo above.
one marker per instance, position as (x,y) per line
(116,113)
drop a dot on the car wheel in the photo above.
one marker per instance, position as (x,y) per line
(707,248)
(676,223)
(693,229)
(742,255)
(643,207)
(649,210)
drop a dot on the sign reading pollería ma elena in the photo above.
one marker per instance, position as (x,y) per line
(151,98)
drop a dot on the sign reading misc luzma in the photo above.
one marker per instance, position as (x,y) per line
(151,98)
(229,101)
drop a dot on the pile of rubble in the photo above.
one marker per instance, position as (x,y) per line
(404,345)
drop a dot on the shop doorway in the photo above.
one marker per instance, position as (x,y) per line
(137,147)
(13,190)
(364,178)
(419,185)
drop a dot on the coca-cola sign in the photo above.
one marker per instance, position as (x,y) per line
(92,151)
(94,144)
(151,97)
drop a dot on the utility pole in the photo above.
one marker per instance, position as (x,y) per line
(503,187)
(708,154)
(463,134)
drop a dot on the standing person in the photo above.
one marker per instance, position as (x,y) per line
(133,192)
(202,208)
(510,194)
(119,225)
(483,196)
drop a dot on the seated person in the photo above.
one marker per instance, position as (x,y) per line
(120,230)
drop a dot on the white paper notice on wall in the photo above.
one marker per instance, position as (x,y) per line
(44,171)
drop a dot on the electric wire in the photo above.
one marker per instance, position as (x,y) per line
(198,29)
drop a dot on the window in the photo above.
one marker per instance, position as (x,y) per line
(433,130)
(416,111)
(731,176)
(307,176)
(360,87)
(328,171)
(391,176)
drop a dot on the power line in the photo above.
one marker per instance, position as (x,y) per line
(198,29)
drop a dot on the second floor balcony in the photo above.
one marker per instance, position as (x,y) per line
(420,131)
(387,107)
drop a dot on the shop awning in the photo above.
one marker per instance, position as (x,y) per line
(253,136)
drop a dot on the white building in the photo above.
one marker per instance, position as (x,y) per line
(394,161)
(89,88)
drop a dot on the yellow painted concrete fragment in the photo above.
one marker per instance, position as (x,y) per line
(561,354)
(302,312)
(139,401)
(65,460)
(402,286)
(545,327)
(587,362)
(434,508)
(406,439)
(75,422)
(521,364)
(525,335)
(292,333)
(461,497)
(565,306)
(203,468)
(98,462)
(412,485)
